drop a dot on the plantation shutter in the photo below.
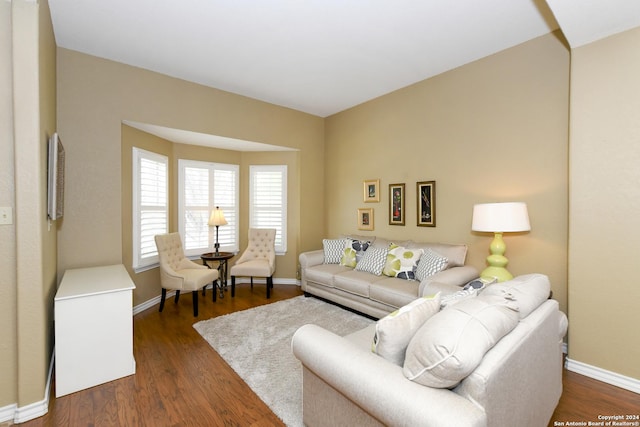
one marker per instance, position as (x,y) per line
(202,187)
(150,205)
(268,201)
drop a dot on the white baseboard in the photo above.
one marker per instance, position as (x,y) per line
(15,414)
(7,413)
(609,377)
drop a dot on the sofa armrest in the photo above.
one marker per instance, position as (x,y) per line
(311,258)
(448,279)
(377,386)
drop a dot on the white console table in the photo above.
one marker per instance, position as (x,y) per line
(93,328)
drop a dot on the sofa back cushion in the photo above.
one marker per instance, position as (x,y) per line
(452,343)
(526,292)
(456,254)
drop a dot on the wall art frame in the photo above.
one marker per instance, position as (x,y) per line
(371,191)
(426,203)
(396,204)
(365,219)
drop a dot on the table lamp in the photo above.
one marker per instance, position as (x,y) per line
(217,219)
(499,218)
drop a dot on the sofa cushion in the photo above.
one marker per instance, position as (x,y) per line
(373,261)
(324,273)
(452,343)
(527,291)
(394,292)
(430,263)
(455,254)
(355,282)
(401,262)
(333,250)
(394,331)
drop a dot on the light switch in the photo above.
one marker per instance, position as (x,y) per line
(6,215)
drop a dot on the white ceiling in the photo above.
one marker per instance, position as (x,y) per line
(321,56)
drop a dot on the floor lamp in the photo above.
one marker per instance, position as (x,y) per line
(217,219)
(499,218)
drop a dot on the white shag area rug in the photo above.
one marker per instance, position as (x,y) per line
(256,343)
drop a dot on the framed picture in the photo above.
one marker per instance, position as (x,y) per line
(396,204)
(426,192)
(365,219)
(372,190)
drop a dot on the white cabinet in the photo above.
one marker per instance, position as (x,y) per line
(93,328)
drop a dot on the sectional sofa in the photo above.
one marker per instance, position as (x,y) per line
(489,361)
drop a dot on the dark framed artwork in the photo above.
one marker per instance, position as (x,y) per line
(365,219)
(371,191)
(426,192)
(396,204)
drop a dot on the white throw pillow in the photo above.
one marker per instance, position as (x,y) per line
(430,264)
(394,331)
(373,260)
(402,262)
(333,250)
(452,343)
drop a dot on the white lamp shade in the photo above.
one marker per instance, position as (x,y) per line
(217,217)
(500,217)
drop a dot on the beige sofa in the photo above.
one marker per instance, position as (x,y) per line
(515,381)
(378,295)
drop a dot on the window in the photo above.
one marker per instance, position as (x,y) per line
(268,201)
(150,206)
(202,187)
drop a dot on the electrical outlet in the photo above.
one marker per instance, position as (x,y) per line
(6,215)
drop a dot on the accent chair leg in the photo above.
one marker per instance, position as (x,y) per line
(162,298)
(269,286)
(175,301)
(251,282)
(194,295)
(215,288)
(233,286)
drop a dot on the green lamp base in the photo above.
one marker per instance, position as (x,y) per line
(497,261)
(499,273)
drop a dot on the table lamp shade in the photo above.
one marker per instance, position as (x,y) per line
(500,217)
(217,217)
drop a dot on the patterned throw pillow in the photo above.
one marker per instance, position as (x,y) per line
(402,262)
(348,258)
(394,331)
(333,250)
(430,264)
(353,252)
(373,261)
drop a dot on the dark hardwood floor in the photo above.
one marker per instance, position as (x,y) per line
(181,381)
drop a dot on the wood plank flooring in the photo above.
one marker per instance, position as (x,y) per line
(181,381)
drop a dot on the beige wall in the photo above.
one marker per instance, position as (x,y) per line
(28,85)
(96,95)
(605,201)
(494,130)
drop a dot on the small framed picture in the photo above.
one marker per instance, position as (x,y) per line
(396,204)
(365,219)
(426,192)
(372,190)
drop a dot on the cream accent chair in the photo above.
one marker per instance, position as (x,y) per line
(258,260)
(180,273)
